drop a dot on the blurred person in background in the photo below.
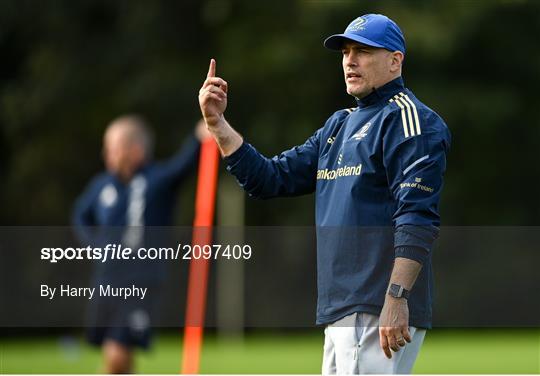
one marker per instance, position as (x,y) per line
(377,173)
(115,207)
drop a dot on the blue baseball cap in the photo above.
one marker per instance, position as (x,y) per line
(373,30)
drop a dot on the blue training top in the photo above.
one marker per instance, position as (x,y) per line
(377,172)
(111,211)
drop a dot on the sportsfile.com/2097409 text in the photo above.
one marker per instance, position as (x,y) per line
(118,252)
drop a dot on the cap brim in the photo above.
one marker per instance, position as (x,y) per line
(335,42)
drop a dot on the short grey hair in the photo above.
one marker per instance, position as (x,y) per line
(138,132)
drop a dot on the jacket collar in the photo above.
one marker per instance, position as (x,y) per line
(382,93)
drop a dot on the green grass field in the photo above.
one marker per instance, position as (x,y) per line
(444,351)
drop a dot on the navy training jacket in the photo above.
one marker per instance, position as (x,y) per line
(377,173)
(110,211)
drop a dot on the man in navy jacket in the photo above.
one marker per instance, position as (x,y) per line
(377,173)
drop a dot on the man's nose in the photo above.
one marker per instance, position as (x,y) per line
(350,61)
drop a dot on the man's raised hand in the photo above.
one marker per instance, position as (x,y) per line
(213,102)
(213,97)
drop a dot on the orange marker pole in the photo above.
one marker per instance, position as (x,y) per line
(198,268)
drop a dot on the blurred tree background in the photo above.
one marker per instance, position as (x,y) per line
(69,67)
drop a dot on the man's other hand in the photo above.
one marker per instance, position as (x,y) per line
(394,325)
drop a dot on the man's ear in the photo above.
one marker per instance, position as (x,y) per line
(396,61)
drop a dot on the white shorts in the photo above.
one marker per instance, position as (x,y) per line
(351,347)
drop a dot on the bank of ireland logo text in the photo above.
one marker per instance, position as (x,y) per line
(362,132)
(341,172)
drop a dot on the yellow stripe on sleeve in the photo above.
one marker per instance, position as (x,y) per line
(418,131)
(403,118)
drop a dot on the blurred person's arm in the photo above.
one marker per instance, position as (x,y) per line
(293,172)
(184,162)
(83,217)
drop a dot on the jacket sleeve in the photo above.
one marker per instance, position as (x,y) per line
(291,173)
(415,165)
(182,163)
(82,217)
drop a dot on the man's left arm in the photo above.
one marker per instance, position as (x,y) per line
(394,320)
(415,165)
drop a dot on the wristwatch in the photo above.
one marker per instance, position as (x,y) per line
(397,291)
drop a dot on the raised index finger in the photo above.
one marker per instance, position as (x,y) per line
(212,69)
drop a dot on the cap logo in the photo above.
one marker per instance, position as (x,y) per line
(357,24)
